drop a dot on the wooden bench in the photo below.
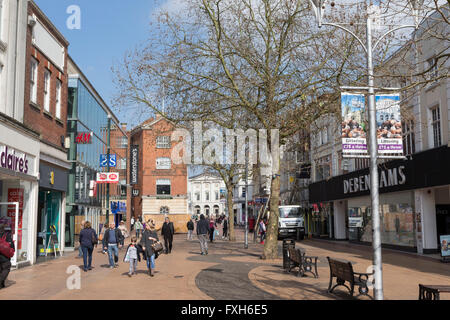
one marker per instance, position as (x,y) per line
(299,259)
(343,271)
(427,292)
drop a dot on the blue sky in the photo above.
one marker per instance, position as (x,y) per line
(108,29)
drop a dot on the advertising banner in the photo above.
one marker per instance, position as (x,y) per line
(445,245)
(354,127)
(107,177)
(104,161)
(389,124)
(134,164)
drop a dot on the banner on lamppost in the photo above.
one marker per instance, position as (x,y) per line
(389,124)
(354,124)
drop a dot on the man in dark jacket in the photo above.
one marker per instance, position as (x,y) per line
(111,241)
(225,228)
(5,263)
(202,234)
(167,231)
(190,227)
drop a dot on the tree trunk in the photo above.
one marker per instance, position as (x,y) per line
(271,242)
(232,236)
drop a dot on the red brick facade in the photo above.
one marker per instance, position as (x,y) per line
(51,129)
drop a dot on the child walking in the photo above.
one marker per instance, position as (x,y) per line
(132,256)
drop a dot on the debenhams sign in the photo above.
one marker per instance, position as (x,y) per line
(388,178)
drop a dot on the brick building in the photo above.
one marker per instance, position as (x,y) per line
(159,185)
(45,112)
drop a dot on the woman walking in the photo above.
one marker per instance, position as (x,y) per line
(123,229)
(138,227)
(212,229)
(149,237)
(88,238)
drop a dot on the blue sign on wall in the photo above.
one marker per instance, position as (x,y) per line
(112,160)
(445,245)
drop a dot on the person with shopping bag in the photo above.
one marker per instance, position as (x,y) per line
(149,238)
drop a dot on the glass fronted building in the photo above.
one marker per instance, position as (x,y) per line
(88,117)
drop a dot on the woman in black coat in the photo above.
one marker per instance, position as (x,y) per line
(88,238)
(149,237)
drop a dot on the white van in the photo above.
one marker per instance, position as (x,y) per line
(291,223)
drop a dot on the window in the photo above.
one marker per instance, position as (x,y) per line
(207,196)
(433,68)
(47,91)
(217,195)
(163,186)
(33,80)
(123,164)
(436,126)
(58,99)
(243,192)
(164,210)
(323,168)
(408,137)
(197,196)
(163,142)
(122,142)
(163,163)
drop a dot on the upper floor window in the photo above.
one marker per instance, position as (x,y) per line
(163,186)
(217,195)
(207,195)
(163,142)
(436,126)
(122,142)
(243,192)
(409,142)
(123,164)
(323,168)
(197,196)
(163,163)
(47,78)
(432,68)
(33,80)
(58,99)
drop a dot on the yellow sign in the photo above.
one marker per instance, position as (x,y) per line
(52,177)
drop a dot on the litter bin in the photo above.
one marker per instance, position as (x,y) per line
(287,243)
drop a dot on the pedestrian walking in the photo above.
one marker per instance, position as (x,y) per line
(190,227)
(262,231)
(225,228)
(88,239)
(124,231)
(112,238)
(149,237)
(132,221)
(80,251)
(6,253)
(132,255)
(202,234)
(138,228)
(212,229)
(167,232)
(102,238)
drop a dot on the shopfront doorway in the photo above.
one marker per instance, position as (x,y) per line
(442,221)
(48,224)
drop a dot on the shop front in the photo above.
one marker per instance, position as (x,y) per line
(320,220)
(18,190)
(51,210)
(414,202)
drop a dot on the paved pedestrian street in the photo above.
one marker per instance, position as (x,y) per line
(228,272)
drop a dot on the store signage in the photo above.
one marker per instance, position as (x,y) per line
(388,178)
(13,160)
(104,161)
(135,193)
(445,245)
(388,120)
(134,158)
(84,138)
(107,177)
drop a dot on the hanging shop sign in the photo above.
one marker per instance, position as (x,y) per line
(107,177)
(354,124)
(104,160)
(93,188)
(134,162)
(135,192)
(84,137)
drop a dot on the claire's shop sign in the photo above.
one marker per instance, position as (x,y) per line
(16,161)
(388,178)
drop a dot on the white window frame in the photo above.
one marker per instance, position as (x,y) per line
(58,99)
(435,127)
(163,142)
(163,163)
(33,80)
(47,86)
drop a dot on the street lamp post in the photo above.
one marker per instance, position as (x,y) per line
(318,7)
(246,201)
